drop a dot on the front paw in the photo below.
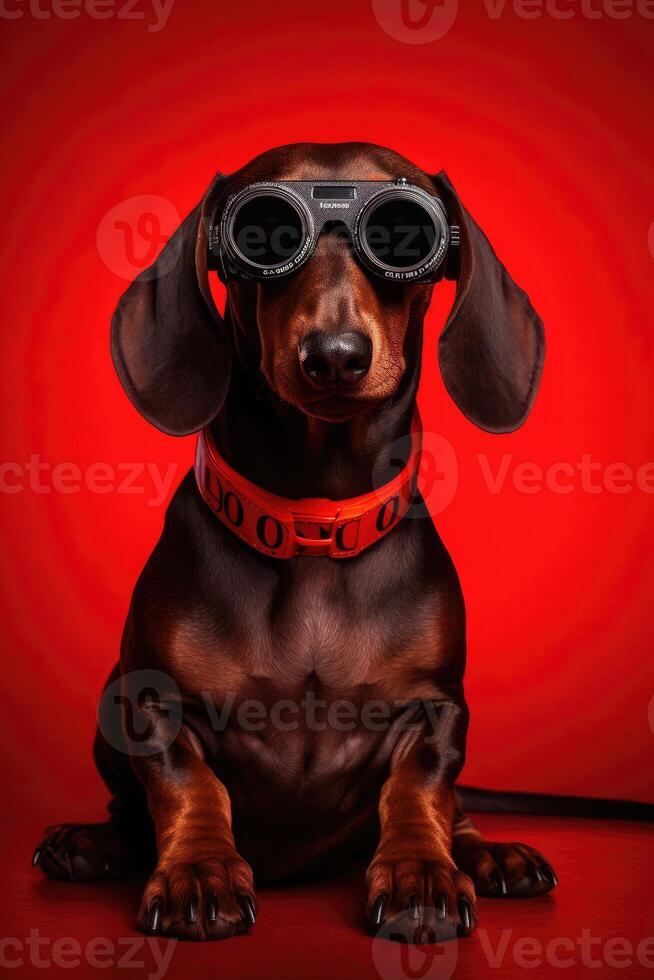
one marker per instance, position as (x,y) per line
(211,898)
(504,870)
(419,901)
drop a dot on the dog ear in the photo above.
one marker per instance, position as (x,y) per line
(168,341)
(492,349)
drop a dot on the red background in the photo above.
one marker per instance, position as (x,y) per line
(545,128)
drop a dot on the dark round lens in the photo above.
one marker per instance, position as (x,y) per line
(268,230)
(401,233)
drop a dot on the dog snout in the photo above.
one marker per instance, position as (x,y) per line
(330,359)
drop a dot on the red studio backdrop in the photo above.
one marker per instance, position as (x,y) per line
(114,128)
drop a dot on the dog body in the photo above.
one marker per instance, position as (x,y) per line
(300,638)
(316,707)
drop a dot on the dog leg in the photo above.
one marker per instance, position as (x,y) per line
(201,887)
(499,870)
(416,893)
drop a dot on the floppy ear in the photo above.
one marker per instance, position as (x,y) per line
(168,342)
(492,349)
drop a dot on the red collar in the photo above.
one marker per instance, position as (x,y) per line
(285,528)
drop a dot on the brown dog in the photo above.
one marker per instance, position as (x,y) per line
(215,624)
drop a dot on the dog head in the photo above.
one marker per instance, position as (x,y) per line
(332,339)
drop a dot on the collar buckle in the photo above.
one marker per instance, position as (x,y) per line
(315,547)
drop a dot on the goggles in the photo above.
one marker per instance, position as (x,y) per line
(398,231)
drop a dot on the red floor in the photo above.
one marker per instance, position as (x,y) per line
(598,923)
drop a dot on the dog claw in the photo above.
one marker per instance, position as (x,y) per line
(36,857)
(378,910)
(191,913)
(247,907)
(550,876)
(212,909)
(465,911)
(155,915)
(441,906)
(414,907)
(499,881)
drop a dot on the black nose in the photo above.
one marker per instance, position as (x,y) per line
(336,358)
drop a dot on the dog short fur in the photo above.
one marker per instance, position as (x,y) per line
(216,810)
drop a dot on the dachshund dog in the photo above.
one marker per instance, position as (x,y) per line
(303,391)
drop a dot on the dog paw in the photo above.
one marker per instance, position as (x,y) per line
(505,870)
(82,852)
(416,901)
(207,899)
